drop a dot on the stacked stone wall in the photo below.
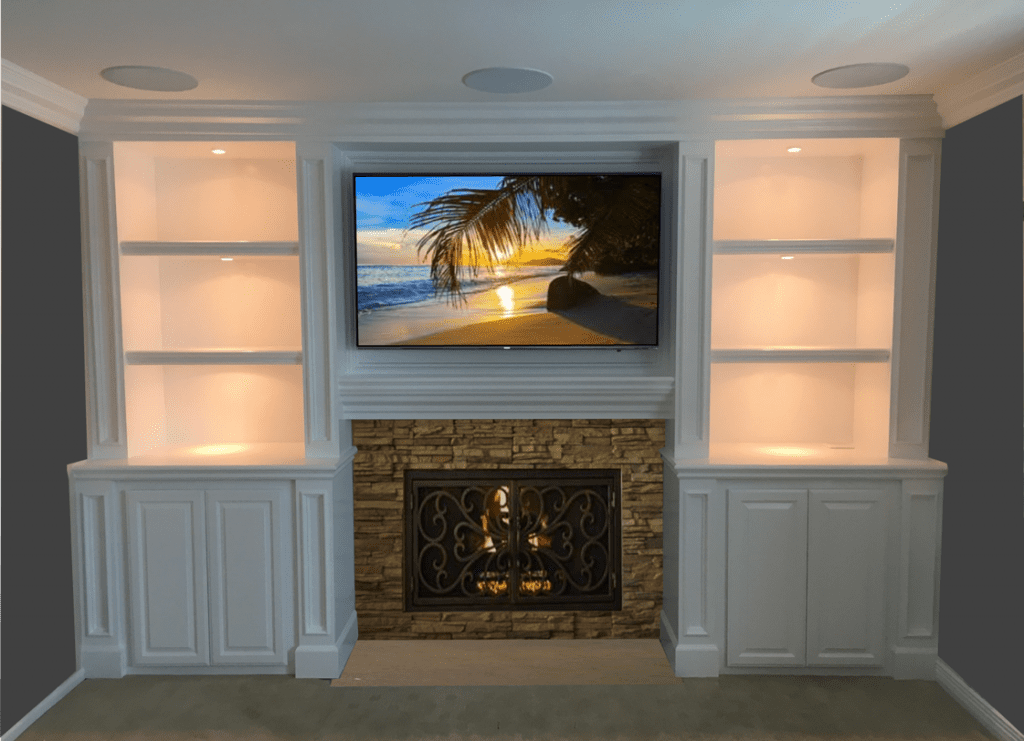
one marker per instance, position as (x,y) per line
(388,447)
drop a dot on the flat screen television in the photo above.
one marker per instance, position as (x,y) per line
(507,260)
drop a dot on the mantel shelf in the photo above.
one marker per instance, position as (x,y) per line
(382,396)
(800,355)
(214,357)
(802,246)
(210,249)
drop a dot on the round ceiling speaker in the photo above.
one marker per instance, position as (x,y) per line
(150,78)
(868,74)
(507,80)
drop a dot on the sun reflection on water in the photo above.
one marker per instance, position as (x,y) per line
(506,295)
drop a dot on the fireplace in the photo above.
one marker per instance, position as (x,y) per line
(388,448)
(512,540)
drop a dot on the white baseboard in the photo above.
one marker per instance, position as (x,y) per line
(975,704)
(105,661)
(51,699)
(688,660)
(326,661)
(914,663)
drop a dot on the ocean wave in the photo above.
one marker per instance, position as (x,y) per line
(384,286)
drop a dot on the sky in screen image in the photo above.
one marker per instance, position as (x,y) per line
(384,205)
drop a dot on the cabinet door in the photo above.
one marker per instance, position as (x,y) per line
(767,578)
(246,565)
(167,578)
(846,578)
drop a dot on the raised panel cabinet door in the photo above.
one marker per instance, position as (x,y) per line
(767,578)
(167,578)
(846,577)
(246,595)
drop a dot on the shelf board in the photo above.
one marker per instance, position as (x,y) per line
(802,246)
(800,355)
(223,454)
(793,454)
(210,249)
(213,357)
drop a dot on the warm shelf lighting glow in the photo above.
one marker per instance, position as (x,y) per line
(217,449)
(227,259)
(791,452)
(787,257)
(219,151)
(793,149)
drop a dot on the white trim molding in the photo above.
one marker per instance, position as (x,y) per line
(917,232)
(980,92)
(51,699)
(514,123)
(975,704)
(28,93)
(497,396)
(316,198)
(101,286)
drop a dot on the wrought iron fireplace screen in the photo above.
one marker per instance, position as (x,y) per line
(523,540)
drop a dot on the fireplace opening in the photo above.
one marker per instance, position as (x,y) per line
(512,540)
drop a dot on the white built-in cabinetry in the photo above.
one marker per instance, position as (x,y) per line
(806,576)
(215,455)
(801,509)
(209,575)
(212,522)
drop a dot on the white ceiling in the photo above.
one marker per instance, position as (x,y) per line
(418,50)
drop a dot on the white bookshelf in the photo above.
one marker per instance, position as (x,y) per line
(802,299)
(210,298)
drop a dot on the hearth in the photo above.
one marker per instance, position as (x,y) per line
(512,540)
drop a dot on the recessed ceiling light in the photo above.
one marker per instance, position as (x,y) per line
(861,75)
(150,78)
(507,80)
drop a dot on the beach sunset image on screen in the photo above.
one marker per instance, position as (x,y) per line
(526,260)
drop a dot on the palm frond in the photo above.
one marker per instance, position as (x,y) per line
(468,229)
(473,228)
(624,233)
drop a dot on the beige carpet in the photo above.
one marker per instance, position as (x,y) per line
(448,663)
(734,708)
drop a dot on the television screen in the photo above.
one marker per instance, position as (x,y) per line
(521,260)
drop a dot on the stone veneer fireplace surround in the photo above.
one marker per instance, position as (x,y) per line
(388,448)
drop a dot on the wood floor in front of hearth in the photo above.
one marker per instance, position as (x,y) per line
(433,663)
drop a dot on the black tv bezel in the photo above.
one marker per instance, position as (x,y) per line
(510,172)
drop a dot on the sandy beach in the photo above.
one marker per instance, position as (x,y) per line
(624,314)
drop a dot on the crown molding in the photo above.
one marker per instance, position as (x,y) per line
(28,93)
(509,123)
(980,92)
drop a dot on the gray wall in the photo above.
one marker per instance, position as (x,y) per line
(977,401)
(43,407)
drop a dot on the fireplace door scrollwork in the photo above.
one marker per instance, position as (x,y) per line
(522,540)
